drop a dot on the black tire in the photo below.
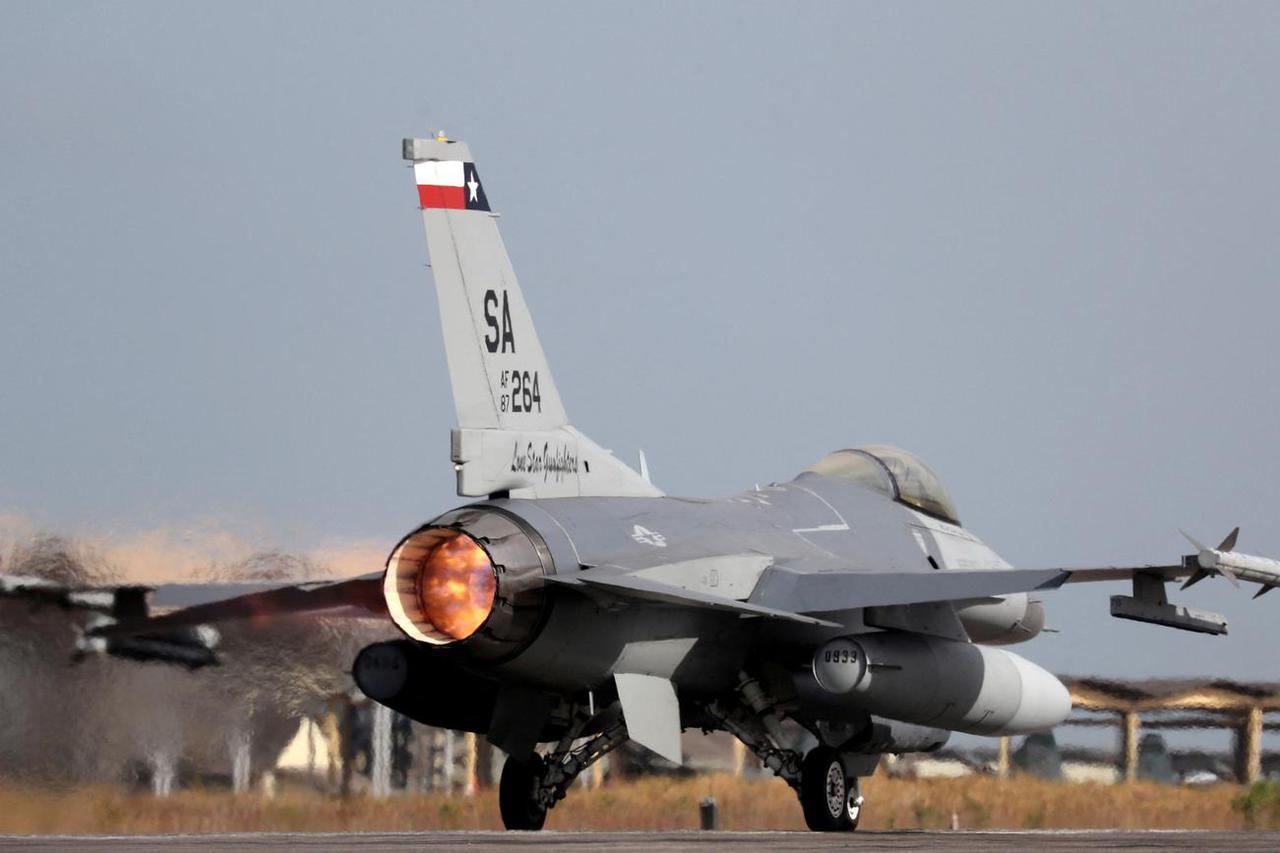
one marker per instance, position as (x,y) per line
(520,810)
(825,792)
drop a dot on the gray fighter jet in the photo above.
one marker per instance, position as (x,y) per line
(570,605)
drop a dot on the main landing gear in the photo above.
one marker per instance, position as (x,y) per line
(829,793)
(518,794)
(533,784)
(832,800)
(830,796)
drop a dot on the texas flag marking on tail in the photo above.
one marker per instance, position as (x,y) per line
(449,184)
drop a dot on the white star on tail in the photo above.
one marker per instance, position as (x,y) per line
(474,186)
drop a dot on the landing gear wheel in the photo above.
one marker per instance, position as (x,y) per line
(854,809)
(516,794)
(832,801)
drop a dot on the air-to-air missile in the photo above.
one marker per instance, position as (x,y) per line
(1233,565)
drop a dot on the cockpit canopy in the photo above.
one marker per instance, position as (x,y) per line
(892,472)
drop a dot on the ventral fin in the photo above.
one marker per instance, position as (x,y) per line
(652,713)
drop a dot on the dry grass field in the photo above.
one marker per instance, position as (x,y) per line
(654,803)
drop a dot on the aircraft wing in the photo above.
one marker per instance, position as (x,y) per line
(1095,574)
(618,582)
(805,588)
(811,586)
(754,584)
(757,585)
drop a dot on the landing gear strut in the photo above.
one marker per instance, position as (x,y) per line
(532,785)
(830,796)
(832,801)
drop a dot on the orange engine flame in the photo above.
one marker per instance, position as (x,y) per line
(456,586)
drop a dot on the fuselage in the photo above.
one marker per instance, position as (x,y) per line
(729,548)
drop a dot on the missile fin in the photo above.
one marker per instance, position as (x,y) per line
(1187,536)
(1229,575)
(1263,590)
(1229,544)
(1200,575)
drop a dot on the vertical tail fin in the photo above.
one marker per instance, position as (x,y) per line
(513,434)
(499,373)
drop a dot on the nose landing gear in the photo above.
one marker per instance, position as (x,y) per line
(832,800)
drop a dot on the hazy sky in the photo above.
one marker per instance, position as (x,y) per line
(1036,244)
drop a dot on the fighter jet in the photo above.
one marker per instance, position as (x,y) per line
(569,605)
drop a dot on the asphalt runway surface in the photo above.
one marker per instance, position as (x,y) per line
(377,842)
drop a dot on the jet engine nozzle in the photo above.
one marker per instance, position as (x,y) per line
(442,586)
(473,578)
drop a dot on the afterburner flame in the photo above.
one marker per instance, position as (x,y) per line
(456,586)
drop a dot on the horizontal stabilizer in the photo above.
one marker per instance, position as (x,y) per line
(611,580)
(359,597)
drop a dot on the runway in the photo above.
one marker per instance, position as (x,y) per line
(384,842)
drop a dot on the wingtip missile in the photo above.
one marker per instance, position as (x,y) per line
(1233,565)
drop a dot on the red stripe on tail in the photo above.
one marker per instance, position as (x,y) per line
(454,198)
